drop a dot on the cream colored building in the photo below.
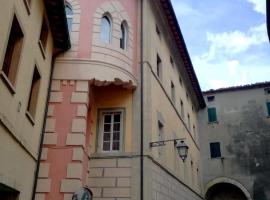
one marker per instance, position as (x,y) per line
(27,47)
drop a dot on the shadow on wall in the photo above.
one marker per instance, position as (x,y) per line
(250,145)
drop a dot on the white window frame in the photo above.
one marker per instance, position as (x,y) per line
(101,122)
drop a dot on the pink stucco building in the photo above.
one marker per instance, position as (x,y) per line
(104,111)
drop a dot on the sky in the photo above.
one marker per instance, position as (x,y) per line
(226,39)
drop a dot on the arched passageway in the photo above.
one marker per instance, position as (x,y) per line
(225,191)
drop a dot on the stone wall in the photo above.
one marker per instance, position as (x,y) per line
(109,179)
(167,187)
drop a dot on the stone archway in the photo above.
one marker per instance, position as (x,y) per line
(226,189)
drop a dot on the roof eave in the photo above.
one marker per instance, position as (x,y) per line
(55,10)
(176,31)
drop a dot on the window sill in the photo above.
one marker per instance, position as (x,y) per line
(29,116)
(215,122)
(7,82)
(42,49)
(27,6)
(217,158)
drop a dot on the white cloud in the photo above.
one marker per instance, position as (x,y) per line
(232,67)
(184,9)
(259,6)
(215,84)
(231,43)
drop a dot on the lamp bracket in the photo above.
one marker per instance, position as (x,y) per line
(163,142)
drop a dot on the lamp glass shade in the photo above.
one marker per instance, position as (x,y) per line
(182,149)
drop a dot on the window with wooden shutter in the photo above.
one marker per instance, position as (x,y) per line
(212,115)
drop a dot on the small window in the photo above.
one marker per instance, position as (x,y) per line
(188,122)
(187,96)
(106,29)
(34,91)
(210,98)
(111,130)
(171,61)
(160,136)
(69,15)
(180,81)
(212,115)
(158,31)
(267,90)
(44,33)
(172,92)
(159,67)
(194,130)
(123,39)
(268,108)
(7,193)
(215,150)
(192,172)
(182,108)
(13,53)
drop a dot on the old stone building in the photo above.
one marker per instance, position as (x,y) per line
(234,138)
(30,36)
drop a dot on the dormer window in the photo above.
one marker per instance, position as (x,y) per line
(124,34)
(106,29)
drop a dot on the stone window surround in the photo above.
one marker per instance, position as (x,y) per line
(99,138)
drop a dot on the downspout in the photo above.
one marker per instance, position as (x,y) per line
(142,107)
(44,125)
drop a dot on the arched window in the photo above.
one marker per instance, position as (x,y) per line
(105,34)
(123,39)
(69,15)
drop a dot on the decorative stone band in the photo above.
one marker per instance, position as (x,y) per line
(99,73)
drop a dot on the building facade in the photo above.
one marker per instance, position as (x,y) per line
(127,81)
(235,136)
(30,36)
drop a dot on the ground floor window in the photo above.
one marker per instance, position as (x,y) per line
(111,130)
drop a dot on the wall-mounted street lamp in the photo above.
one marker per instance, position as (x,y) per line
(180,145)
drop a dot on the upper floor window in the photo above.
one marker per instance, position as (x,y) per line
(212,115)
(172,92)
(210,98)
(268,108)
(13,53)
(111,132)
(124,36)
(158,31)
(188,122)
(180,80)
(43,38)
(182,108)
(69,15)
(171,61)
(215,150)
(34,93)
(106,29)
(267,90)
(160,136)
(159,70)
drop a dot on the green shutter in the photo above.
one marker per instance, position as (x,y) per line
(268,108)
(212,115)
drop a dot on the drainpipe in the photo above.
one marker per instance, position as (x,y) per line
(44,125)
(142,106)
